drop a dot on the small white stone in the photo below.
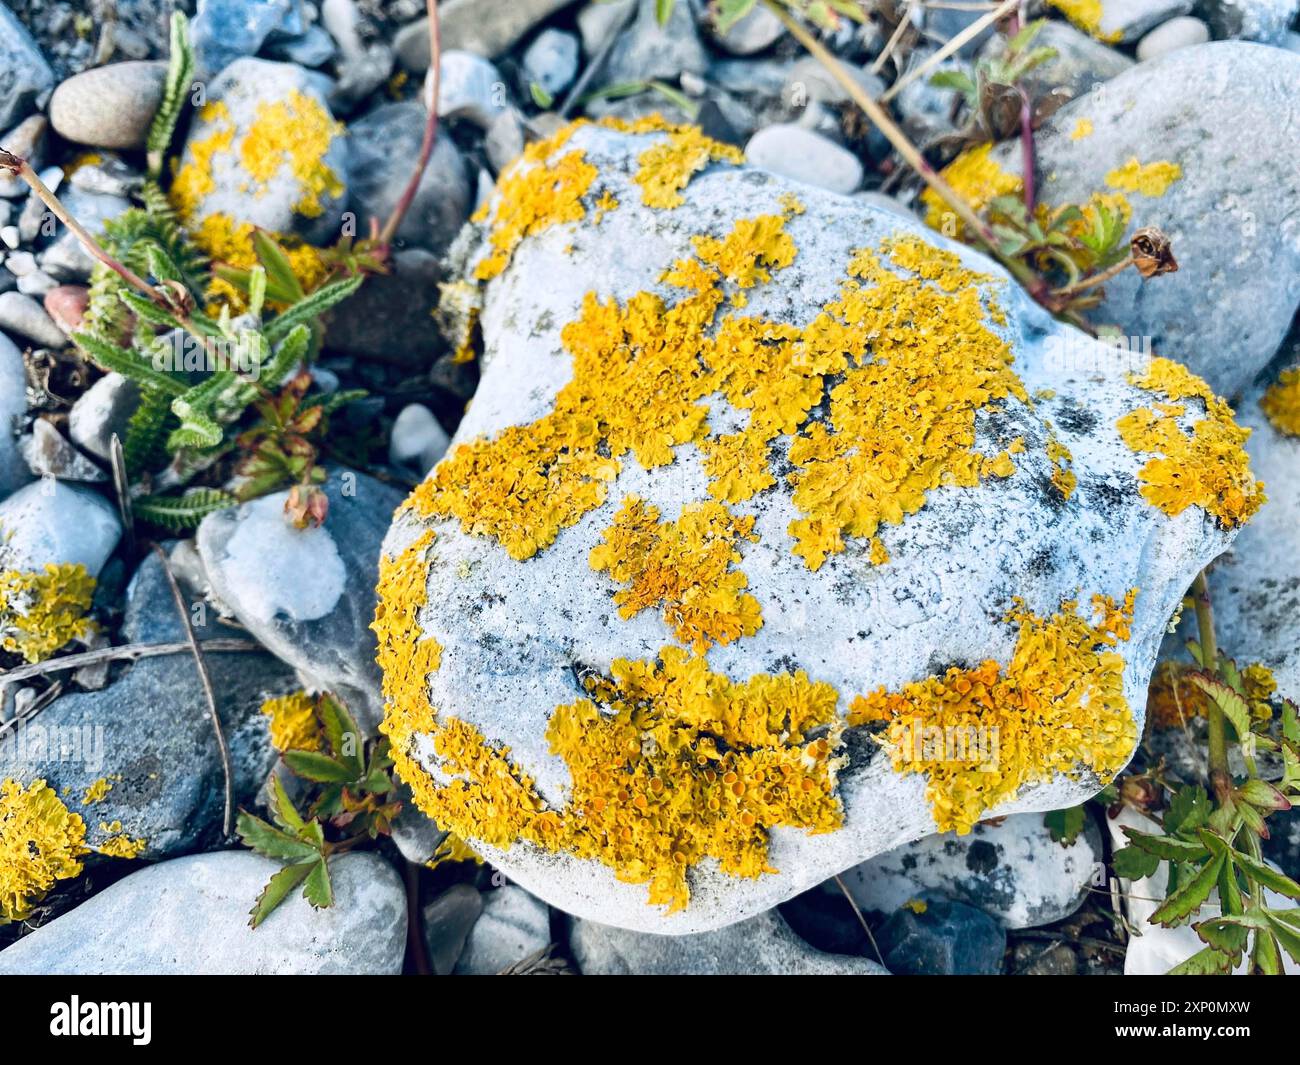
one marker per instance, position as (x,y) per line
(471,88)
(417,440)
(1181,32)
(802,155)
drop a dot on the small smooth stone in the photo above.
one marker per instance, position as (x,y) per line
(25,76)
(505,139)
(102,410)
(471,88)
(66,305)
(513,926)
(945,939)
(551,61)
(797,153)
(28,140)
(23,316)
(485,27)
(448,920)
(110,106)
(1180,32)
(757,31)
(50,522)
(417,440)
(48,454)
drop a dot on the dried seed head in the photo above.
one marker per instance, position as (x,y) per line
(1152,252)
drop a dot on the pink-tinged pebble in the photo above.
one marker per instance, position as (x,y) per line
(66,304)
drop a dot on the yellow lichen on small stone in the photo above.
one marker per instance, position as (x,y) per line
(41,843)
(294,725)
(1207,467)
(682,567)
(1086,15)
(96,791)
(1082,128)
(1149,179)
(1063,477)
(40,612)
(292,134)
(1281,403)
(982,734)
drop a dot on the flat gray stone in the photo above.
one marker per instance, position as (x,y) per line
(22,316)
(486,27)
(448,920)
(761,946)
(189,917)
(308,595)
(513,926)
(804,156)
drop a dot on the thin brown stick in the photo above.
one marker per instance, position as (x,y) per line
(853,903)
(130,652)
(1096,279)
(389,232)
(903,22)
(205,678)
(414,933)
(978,227)
(969,33)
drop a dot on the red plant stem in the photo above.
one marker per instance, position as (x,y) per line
(389,231)
(1027,150)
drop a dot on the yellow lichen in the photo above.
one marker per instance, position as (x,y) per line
(294,725)
(668,165)
(96,791)
(453,849)
(977,179)
(982,734)
(41,612)
(118,844)
(537,191)
(1150,179)
(41,843)
(1207,467)
(288,139)
(1062,475)
(1082,128)
(669,762)
(682,567)
(1086,15)
(1281,403)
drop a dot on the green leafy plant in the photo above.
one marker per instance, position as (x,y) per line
(1064,826)
(351,799)
(1210,838)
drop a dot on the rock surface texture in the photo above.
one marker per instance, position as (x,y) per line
(780,532)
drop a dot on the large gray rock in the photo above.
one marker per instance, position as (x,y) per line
(190,916)
(300,184)
(25,76)
(13,405)
(1256,588)
(521,638)
(110,106)
(512,926)
(149,735)
(1233,215)
(308,595)
(761,946)
(1013,871)
(383,144)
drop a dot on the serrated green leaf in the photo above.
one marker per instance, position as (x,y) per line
(310,308)
(270,841)
(1189,808)
(317,888)
(1265,874)
(1133,863)
(176,87)
(1207,962)
(111,357)
(278,888)
(1166,848)
(1189,897)
(1230,702)
(319,767)
(283,812)
(182,513)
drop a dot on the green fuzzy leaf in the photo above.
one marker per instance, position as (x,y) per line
(176,89)
(1167,848)
(146,433)
(283,812)
(180,514)
(278,888)
(309,308)
(111,357)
